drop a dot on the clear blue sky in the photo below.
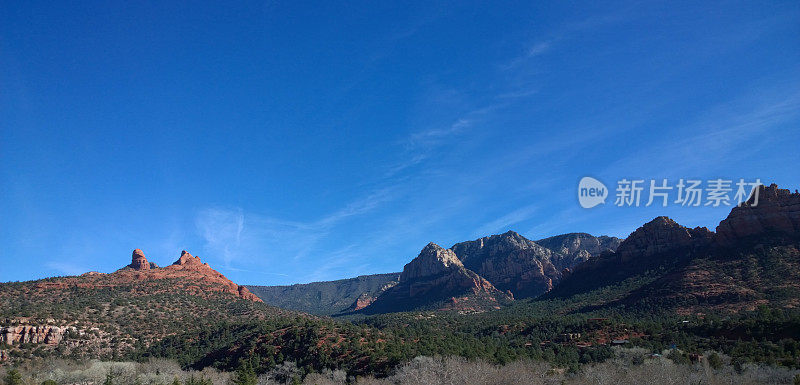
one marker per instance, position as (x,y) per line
(285,142)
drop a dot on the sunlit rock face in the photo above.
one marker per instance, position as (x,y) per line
(775,211)
(432,260)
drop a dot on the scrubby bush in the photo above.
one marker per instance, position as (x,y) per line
(630,366)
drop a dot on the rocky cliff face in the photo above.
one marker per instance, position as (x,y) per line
(775,211)
(432,260)
(366,299)
(513,263)
(579,247)
(31,334)
(660,235)
(139,261)
(436,275)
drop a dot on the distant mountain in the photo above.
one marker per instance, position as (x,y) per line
(752,259)
(526,268)
(328,297)
(580,246)
(487,272)
(436,278)
(509,262)
(512,263)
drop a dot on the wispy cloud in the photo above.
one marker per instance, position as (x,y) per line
(433,136)
(533,51)
(239,237)
(222,231)
(736,128)
(503,222)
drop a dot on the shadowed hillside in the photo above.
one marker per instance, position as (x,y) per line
(324,298)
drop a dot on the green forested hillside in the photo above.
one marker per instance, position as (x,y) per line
(323,298)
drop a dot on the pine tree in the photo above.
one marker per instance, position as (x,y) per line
(245,375)
(13,377)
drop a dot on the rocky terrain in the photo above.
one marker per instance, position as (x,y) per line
(436,275)
(31,334)
(679,259)
(514,263)
(579,247)
(490,270)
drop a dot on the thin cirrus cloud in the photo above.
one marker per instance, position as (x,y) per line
(502,223)
(244,238)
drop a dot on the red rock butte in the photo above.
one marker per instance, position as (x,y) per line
(187,266)
(139,262)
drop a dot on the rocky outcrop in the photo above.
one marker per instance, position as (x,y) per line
(579,247)
(660,235)
(768,210)
(366,299)
(192,267)
(31,334)
(244,293)
(363,301)
(196,276)
(513,263)
(139,261)
(432,260)
(189,261)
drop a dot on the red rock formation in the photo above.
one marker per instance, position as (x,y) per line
(190,270)
(30,334)
(776,211)
(188,260)
(139,262)
(362,301)
(244,293)
(660,235)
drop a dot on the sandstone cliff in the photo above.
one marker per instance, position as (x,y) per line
(31,334)
(187,267)
(775,211)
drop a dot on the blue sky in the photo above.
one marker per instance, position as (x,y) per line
(286,142)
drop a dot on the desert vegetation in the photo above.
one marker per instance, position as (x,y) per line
(629,366)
